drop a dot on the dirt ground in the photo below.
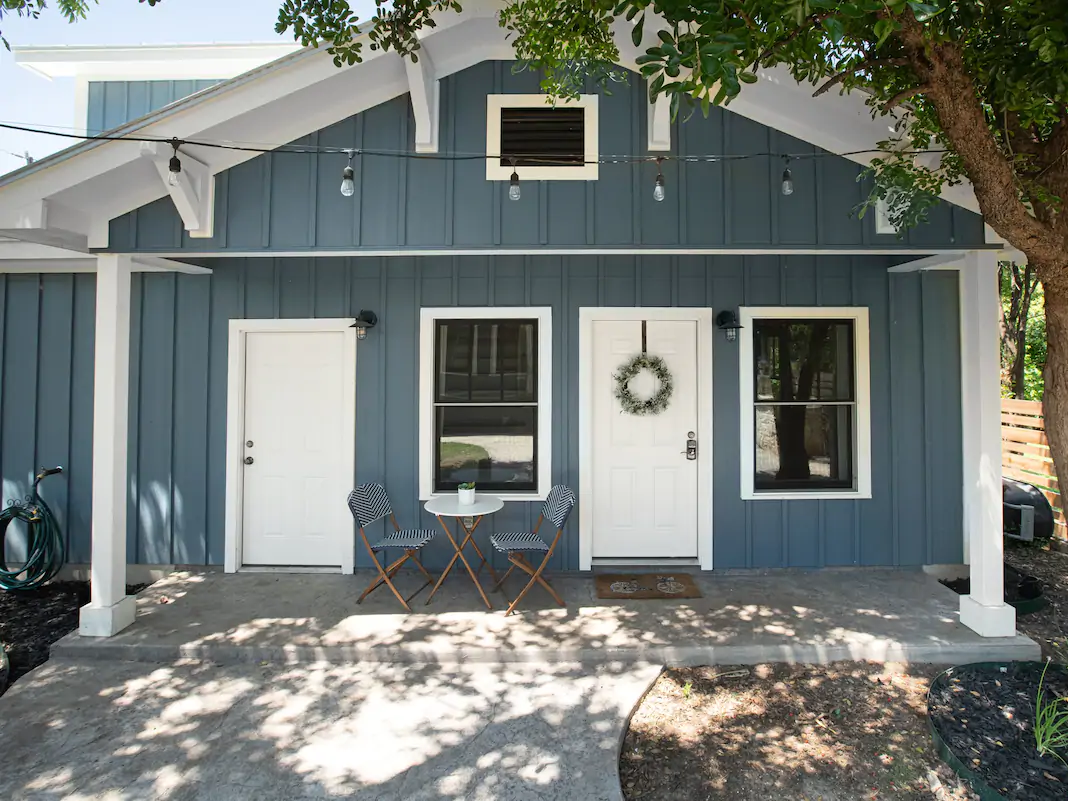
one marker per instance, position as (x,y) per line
(31,621)
(840,732)
(1049,628)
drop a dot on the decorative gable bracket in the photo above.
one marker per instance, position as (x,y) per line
(194,193)
(425,90)
(660,124)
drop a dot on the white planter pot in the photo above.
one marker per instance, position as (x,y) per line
(467,496)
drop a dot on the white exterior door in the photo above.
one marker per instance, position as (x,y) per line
(645,490)
(295,435)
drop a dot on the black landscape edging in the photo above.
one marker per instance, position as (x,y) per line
(942,748)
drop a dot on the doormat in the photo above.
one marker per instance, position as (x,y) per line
(645,586)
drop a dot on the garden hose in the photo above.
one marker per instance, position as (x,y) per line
(44,541)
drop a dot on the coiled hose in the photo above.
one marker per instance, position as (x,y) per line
(44,540)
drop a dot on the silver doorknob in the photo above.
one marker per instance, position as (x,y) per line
(248,460)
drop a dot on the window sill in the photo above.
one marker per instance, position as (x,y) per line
(508,497)
(803,495)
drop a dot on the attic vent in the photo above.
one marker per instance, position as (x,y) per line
(543,137)
(548,143)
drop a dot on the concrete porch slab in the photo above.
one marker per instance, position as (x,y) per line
(815,617)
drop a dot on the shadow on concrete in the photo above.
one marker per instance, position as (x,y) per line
(125,731)
(820,616)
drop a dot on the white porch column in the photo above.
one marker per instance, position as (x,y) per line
(984,610)
(110,610)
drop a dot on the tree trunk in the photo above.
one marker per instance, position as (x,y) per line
(1054,279)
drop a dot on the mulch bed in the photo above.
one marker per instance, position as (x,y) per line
(986,714)
(1048,627)
(1019,585)
(31,621)
(845,731)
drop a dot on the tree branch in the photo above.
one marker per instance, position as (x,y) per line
(837,78)
(904,95)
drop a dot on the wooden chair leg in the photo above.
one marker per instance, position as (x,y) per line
(500,581)
(384,575)
(523,564)
(390,571)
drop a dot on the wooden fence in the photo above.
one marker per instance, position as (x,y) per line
(1025,453)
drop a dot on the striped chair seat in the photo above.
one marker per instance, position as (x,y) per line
(518,542)
(410,539)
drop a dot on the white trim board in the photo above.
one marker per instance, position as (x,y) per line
(550,251)
(705,333)
(544,316)
(235,416)
(862,387)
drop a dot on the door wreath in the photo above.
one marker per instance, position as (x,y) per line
(659,400)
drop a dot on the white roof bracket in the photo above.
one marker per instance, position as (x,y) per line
(660,124)
(194,192)
(425,90)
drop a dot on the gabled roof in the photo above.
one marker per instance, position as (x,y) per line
(68,198)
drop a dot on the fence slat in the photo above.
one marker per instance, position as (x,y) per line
(1023,422)
(1040,466)
(1021,406)
(1025,449)
(1024,435)
(1025,455)
(1031,478)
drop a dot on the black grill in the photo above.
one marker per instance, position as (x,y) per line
(543,137)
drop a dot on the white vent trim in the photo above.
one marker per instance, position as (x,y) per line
(494,170)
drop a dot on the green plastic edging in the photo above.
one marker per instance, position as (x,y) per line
(978,785)
(984,791)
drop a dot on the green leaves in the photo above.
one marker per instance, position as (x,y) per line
(924,11)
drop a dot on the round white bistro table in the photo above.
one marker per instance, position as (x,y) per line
(449,506)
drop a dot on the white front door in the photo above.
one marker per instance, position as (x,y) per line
(297,459)
(645,490)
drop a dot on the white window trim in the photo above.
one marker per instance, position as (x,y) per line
(862,367)
(494,170)
(428,316)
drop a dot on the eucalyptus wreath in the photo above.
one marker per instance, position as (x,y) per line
(630,402)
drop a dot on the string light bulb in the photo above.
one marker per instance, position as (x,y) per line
(787,178)
(514,190)
(348,185)
(174,166)
(658,187)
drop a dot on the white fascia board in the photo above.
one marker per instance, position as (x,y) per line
(941,261)
(149,62)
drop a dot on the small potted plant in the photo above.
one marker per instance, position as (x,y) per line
(466,492)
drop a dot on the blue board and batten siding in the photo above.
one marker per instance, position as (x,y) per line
(113,103)
(291,202)
(178,390)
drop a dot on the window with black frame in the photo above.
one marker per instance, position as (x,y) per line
(805,404)
(486,404)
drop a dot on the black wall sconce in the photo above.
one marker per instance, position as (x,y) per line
(364,320)
(728,323)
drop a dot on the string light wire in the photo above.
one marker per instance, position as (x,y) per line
(456,156)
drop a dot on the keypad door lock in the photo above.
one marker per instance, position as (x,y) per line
(691,447)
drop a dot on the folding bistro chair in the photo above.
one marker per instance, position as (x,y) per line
(556,508)
(368,504)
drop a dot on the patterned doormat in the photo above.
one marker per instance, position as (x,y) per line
(645,586)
